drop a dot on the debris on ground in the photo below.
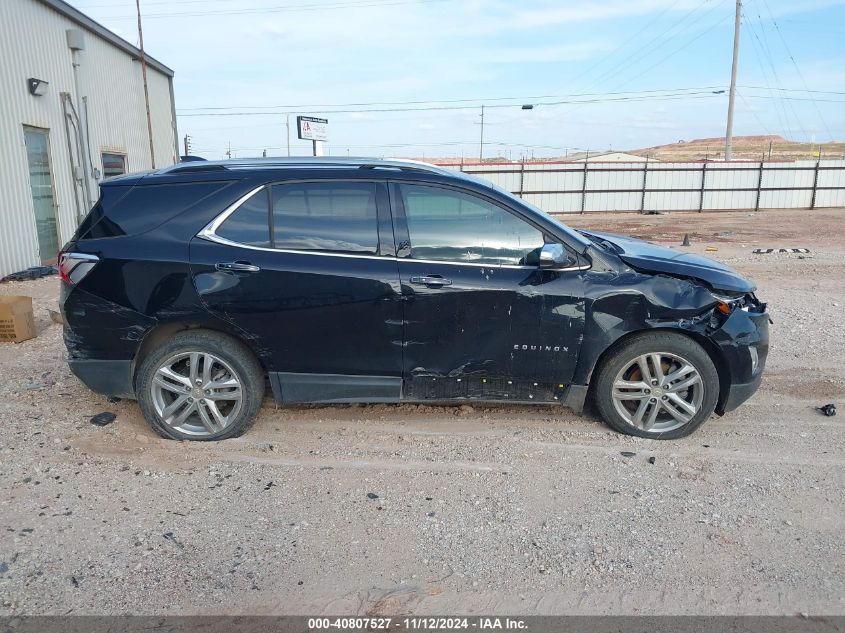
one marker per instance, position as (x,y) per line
(723,234)
(711,249)
(372,495)
(766,251)
(113,399)
(627,454)
(101,419)
(497,479)
(30,273)
(652,459)
(828,409)
(170,537)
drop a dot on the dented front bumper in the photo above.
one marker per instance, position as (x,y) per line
(743,342)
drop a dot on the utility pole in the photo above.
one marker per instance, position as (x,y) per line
(187,145)
(146,88)
(481,143)
(732,96)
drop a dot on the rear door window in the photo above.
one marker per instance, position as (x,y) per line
(337,217)
(250,222)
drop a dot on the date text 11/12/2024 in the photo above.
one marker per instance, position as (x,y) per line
(415,624)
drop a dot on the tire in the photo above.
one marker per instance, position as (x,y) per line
(626,395)
(224,391)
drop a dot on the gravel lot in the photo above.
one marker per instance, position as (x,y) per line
(478,509)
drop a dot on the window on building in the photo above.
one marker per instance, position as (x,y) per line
(331,216)
(448,225)
(113,164)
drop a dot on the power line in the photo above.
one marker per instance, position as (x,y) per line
(688,95)
(283,109)
(798,70)
(685,45)
(768,55)
(624,43)
(753,112)
(476,101)
(646,49)
(779,107)
(638,54)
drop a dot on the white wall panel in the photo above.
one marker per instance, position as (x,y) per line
(557,187)
(33,44)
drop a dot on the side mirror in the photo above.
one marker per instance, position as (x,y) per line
(555,256)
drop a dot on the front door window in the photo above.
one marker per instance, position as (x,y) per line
(452,226)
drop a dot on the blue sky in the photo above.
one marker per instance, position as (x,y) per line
(644,70)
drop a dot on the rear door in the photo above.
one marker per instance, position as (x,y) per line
(481,319)
(307,271)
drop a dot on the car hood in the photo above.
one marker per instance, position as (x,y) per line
(650,257)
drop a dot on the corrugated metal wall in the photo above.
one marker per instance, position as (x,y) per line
(580,186)
(33,44)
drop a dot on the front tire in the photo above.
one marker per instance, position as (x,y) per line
(658,385)
(200,385)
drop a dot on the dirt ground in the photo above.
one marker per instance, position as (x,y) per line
(406,509)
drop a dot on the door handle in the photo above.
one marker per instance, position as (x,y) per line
(241,267)
(431,280)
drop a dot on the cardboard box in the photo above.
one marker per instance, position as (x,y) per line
(16,321)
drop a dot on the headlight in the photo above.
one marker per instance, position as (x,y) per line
(728,303)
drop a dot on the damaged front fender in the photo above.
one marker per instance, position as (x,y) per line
(630,302)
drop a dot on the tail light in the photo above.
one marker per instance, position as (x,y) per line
(73,267)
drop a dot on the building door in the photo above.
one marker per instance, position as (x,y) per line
(43,197)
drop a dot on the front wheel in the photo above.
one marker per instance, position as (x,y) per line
(200,385)
(658,385)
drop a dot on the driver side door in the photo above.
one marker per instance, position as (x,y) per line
(481,319)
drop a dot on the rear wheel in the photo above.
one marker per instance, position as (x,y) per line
(659,385)
(200,385)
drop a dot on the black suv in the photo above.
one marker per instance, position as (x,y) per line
(191,287)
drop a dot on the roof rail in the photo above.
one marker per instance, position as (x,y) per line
(307,161)
(402,166)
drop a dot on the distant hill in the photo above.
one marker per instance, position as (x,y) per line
(744,148)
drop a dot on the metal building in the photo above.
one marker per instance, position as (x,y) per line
(72,112)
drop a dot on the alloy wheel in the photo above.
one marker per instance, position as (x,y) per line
(197,393)
(658,392)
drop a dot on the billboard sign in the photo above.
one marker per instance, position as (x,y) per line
(311,128)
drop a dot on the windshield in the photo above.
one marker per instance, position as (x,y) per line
(572,233)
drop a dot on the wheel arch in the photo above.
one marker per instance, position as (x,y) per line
(706,344)
(164,331)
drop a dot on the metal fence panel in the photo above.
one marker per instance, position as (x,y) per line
(575,187)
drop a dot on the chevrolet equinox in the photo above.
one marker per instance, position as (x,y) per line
(194,287)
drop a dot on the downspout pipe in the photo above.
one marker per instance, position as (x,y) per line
(76,44)
(75,172)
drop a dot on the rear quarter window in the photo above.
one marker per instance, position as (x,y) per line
(131,210)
